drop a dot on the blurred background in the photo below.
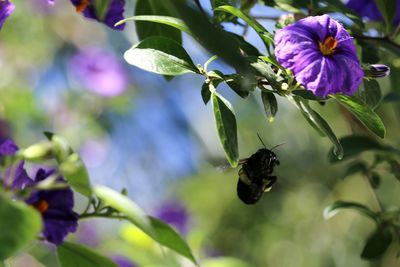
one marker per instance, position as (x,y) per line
(156,138)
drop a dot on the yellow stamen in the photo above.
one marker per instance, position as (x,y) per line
(42,206)
(328,46)
(82,6)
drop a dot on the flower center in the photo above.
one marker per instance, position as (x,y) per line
(42,206)
(328,46)
(82,6)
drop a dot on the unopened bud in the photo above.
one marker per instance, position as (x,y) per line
(377,71)
(38,151)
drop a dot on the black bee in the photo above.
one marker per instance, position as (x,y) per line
(255,175)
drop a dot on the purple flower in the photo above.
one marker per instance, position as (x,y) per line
(321,54)
(8,148)
(14,176)
(99,71)
(174,213)
(112,14)
(6,8)
(369,9)
(56,209)
(122,261)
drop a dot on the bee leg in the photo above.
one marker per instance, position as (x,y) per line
(271,181)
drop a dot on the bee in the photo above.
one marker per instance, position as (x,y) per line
(255,175)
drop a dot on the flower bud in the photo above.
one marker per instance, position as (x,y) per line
(377,71)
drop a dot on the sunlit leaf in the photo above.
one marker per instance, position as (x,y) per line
(71,165)
(224,262)
(166,20)
(19,224)
(156,229)
(124,205)
(377,243)
(74,255)
(226,127)
(363,112)
(213,38)
(168,237)
(160,55)
(335,207)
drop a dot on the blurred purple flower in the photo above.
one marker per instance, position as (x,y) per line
(113,13)
(51,2)
(122,261)
(321,54)
(8,148)
(369,9)
(99,71)
(6,8)
(88,234)
(174,213)
(56,209)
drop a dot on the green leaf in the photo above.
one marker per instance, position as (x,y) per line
(226,127)
(335,207)
(158,230)
(338,6)
(19,224)
(223,262)
(265,36)
(160,55)
(356,144)
(71,165)
(213,38)
(205,93)
(395,168)
(320,124)
(126,206)
(245,46)
(372,93)
(74,255)
(166,20)
(168,237)
(146,29)
(267,72)
(363,112)
(356,167)
(240,85)
(377,243)
(388,10)
(391,97)
(270,105)
(308,95)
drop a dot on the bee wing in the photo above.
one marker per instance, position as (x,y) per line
(226,165)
